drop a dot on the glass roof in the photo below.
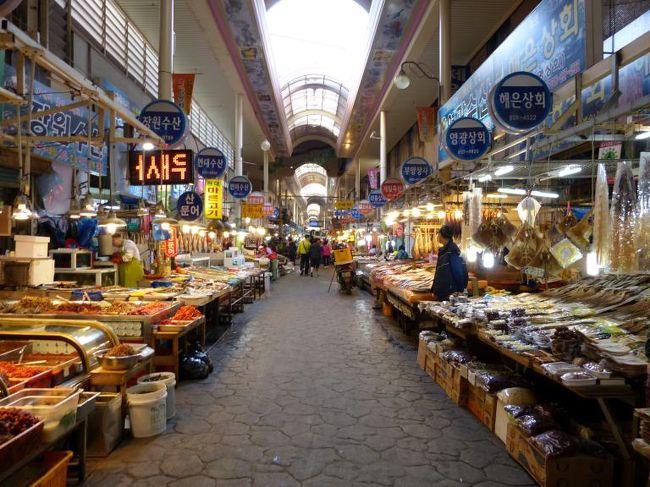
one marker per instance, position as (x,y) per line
(313,209)
(330,44)
(310,168)
(313,189)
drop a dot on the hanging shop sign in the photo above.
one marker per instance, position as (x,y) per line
(343,204)
(520,102)
(249,210)
(189,206)
(427,121)
(392,188)
(255,198)
(183,87)
(213,199)
(240,187)
(376,199)
(160,167)
(341,213)
(414,170)
(551,41)
(267,209)
(170,245)
(467,139)
(364,207)
(314,224)
(355,213)
(211,163)
(165,119)
(373,178)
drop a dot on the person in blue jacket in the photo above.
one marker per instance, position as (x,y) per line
(451,271)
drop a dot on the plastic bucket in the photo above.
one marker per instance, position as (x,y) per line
(267,283)
(169,379)
(147,409)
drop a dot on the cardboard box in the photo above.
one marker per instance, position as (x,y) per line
(422,354)
(569,471)
(449,377)
(482,404)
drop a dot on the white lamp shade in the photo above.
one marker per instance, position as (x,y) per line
(402,81)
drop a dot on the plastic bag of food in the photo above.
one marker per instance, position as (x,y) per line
(556,443)
(495,383)
(516,395)
(536,423)
(601,217)
(457,356)
(518,410)
(643,240)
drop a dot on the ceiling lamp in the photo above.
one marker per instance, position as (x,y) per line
(484,177)
(147,146)
(22,209)
(504,170)
(402,81)
(643,135)
(415,212)
(496,196)
(517,191)
(265,145)
(161,218)
(569,170)
(143,210)
(544,194)
(88,206)
(111,223)
(73,212)
(442,214)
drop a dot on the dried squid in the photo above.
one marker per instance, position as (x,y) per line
(601,218)
(623,220)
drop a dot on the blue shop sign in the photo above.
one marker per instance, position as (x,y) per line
(550,42)
(355,213)
(520,102)
(190,206)
(467,139)
(314,224)
(415,169)
(341,213)
(211,163)
(376,199)
(239,187)
(165,119)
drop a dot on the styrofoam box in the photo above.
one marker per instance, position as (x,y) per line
(31,247)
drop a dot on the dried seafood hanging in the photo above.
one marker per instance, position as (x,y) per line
(527,209)
(581,233)
(475,211)
(601,218)
(623,220)
(643,237)
(526,246)
(466,230)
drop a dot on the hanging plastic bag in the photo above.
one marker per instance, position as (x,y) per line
(623,219)
(601,218)
(527,209)
(643,240)
(566,253)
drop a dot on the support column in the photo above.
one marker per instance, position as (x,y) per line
(166,50)
(444,49)
(357,179)
(239,137)
(266,174)
(383,169)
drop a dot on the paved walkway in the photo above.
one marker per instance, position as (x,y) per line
(314,389)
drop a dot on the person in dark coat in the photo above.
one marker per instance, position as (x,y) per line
(292,251)
(315,256)
(451,271)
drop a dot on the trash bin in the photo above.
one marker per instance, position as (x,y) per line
(147,409)
(274,269)
(105,424)
(169,379)
(267,284)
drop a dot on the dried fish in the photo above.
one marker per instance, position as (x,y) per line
(623,219)
(643,237)
(601,218)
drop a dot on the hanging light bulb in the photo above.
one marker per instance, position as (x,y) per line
(593,269)
(111,223)
(442,214)
(111,228)
(194,229)
(202,233)
(472,254)
(247,220)
(88,206)
(368,238)
(458,214)
(406,212)
(73,212)
(226,234)
(142,208)
(430,216)
(212,235)
(166,226)
(430,207)
(416,212)
(185,229)
(488,259)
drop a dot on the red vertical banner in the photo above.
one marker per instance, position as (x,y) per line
(427,118)
(171,245)
(183,85)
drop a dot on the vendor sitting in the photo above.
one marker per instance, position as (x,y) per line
(127,258)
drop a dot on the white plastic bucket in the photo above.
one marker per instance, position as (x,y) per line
(169,379)
(267,284)
(147,409)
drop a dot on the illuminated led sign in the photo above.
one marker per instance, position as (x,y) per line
(161,167)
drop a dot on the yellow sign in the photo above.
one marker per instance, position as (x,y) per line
(213,199)
(249,210)
(344,204)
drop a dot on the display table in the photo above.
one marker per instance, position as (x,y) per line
(176,335)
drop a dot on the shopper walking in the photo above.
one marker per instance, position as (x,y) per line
(315,256)
(451,271)
(326,252)
(291,251)
(303,254)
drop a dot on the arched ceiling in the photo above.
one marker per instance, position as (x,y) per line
(364,3)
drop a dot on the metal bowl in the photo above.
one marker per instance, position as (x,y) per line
(117,363)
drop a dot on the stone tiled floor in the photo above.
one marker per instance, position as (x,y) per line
(313,389)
